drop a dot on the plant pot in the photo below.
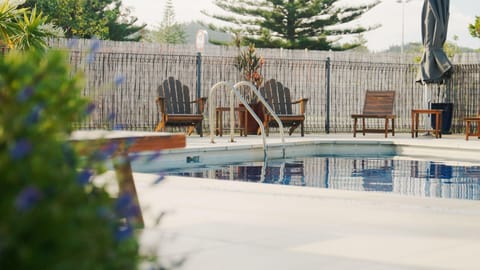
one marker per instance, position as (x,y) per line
(447,116)
(252,124)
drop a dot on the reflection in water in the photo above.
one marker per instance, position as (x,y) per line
(285,173)
(407,177)
(376,174)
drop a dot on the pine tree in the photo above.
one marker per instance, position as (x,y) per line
(169,30)
(124,26)
(290,24)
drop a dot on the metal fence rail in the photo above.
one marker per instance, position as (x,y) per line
(335,83)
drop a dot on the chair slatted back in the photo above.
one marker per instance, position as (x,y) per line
(177,96)
(277,96)
(379,103)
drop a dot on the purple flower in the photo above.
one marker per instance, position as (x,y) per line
(20,149)
(68,154)
(93,51)
(95,46)
(72,43)
(130,141)
(119,80)
(99,155)
(111,117)
(123,201)
(25,94)
(105,213)
(27,198)
(118,127)
(134,156)
(34,115)
(154,156)
(90,108)
(125,206)
(111,148)
(159,179)
(90,58)
(123,232)
(84,177)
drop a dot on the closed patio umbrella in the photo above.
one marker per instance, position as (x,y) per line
(435,67)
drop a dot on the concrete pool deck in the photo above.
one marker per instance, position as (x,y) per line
(237,225)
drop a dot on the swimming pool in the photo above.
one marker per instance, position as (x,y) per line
(389,173)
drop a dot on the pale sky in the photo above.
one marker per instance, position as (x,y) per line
(388,13)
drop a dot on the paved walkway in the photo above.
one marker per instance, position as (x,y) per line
(237,225)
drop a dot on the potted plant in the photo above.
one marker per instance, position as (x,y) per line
(249,65)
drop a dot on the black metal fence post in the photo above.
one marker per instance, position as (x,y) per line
(199,74)
(199,85)
(327,90)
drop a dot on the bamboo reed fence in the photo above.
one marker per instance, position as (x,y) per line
(334,82)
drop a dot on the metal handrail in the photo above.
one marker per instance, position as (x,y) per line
(233,92)
(269,109)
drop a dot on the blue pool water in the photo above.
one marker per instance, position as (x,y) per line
(379,174)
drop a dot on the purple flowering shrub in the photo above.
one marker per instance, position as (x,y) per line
(51,214)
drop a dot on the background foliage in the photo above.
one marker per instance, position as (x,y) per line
(102,19)
(23,28)
(475,28)
(53,216)
(290,24)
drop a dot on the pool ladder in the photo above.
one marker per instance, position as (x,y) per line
(234,92)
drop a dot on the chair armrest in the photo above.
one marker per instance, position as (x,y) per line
(302,102)
(201,101)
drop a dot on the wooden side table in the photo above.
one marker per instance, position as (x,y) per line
(468,123)
(219,120)
(438,122)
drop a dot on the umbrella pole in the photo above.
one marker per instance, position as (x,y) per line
(427,102)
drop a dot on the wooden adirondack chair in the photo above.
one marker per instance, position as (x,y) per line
(174,106)
(379,105)
(278,97)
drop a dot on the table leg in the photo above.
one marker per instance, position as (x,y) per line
(355,127)
(123,171)
(440,125)
(478,129)
(363,126)
(386,127)
(417,116)
(220,121)
(217,131)
(467,130)
(413,124)
(245,125)
(393,126)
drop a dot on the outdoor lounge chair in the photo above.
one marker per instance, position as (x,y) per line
(468,126)
(278,97)
(378,105)
(175,107)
